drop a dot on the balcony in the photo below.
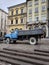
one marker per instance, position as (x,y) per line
(36,23)
(32,23)
(17,15)
(16,24)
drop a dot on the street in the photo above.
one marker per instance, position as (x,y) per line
(25,46)
(24,51)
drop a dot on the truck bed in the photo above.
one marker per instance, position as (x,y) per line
(30,32)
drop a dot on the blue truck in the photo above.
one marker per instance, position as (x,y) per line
(30,35)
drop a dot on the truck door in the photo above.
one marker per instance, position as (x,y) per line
(14,34)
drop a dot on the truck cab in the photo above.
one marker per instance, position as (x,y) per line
(11,36)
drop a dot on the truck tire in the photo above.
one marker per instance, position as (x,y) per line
(7,40)
(32,41)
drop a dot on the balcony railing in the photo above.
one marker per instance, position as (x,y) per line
(36,22)
(15,24)
(17,15)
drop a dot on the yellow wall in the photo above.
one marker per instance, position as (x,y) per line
(33,15)
(12,17)
(39,14)
(19,27)
(17,8)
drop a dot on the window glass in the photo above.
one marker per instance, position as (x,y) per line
(36,10)
(30,11)
(44,18)
(43,8)
(43,1)
(11,12)
(36,2)
(11,21)
(30,27)
(16,11)
(21,20)
(16,21)
(36,18)
(30,3)
(21,10)
(30,19)
(20,28)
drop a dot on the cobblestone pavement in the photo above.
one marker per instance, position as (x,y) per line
(25,47)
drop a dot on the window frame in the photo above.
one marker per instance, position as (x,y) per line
(16,21)
(22,20)
(21,11)
(17,12)
(11,22)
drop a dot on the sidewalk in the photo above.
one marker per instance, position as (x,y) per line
(43,41)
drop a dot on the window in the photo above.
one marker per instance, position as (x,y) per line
(1,20)
(29,28)
(30,11)
(30,19)
(30,3)
(16,28)
(21,11)
(16,11)
(43,1)
(0,34)
(44,18)
(12,30)
(11,12)
(16,21)
(36,10)
(43,8)
(36,2)
(21,20)
(11,21)
(36,18)
(20,28)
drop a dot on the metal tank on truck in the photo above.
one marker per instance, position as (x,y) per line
(30,35)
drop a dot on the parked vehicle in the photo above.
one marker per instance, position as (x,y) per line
(30,35)
(1,36)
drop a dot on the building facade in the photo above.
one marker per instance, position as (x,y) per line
(37,14)
(3,21)
(32,14)
(17,16)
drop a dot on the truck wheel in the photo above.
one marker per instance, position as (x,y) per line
(32,41)
(7,40)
